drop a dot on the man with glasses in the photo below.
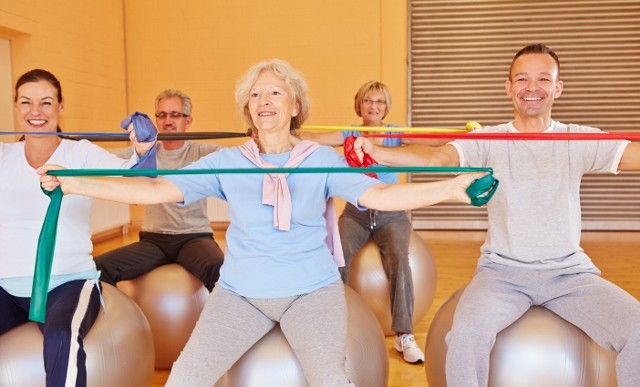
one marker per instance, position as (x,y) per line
(170,233)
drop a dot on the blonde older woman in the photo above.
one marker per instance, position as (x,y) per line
(391,230)
(278,267)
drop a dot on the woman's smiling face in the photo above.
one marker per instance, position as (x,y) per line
(37,107)
(270,104)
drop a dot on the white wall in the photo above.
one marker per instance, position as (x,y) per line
(107,215)
(217,210)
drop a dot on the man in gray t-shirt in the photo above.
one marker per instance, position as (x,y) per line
(532,254)
(170,233)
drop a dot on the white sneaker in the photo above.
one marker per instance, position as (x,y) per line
(406,344)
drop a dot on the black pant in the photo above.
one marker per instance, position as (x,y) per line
(198,253)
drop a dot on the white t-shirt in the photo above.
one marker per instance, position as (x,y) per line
(23,206)
(534,216)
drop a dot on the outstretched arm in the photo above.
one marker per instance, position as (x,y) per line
(398,197)
(631,158)
(332,138)
(414,154)
(426,141)
(132,190)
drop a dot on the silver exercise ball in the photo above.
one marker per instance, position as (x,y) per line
(540,349)
(119,348)
(367,277)
(272,363)
(171,298)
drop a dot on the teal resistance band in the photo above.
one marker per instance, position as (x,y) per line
(44,257)
(480,192)
(147,172)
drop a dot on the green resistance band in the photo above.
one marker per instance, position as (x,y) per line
(147,172)
(44,257)
(480,192)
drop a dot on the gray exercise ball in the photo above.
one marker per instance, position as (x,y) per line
(367,277)
(171,298)
(119,348)
(539,349)
(272,363)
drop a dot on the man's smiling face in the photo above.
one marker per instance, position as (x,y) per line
(533,85)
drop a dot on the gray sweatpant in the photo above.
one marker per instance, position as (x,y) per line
(391,231)
(498,295)
(315,325)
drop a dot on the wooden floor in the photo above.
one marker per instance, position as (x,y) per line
(456,252)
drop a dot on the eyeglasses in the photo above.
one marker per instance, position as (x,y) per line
(163,115)
(368,101)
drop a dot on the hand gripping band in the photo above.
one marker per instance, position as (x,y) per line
(142,126)
(352,158)
(481,190)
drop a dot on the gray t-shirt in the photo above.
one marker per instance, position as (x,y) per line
(534,216)
(170,218)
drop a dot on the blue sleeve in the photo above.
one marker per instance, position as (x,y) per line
(348,186)
(347,133)
(195,187)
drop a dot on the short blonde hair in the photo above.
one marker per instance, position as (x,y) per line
(368,88)
(294,82)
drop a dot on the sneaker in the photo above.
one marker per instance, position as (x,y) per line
(406,344)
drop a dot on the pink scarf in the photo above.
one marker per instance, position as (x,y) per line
(275,192)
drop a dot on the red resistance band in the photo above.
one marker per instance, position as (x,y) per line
(352,157)
(516,136)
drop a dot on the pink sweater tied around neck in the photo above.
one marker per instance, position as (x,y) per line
(275,192)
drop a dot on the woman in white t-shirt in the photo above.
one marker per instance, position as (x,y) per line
(73,298)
